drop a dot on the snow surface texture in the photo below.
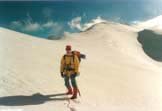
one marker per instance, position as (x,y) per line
(116,76)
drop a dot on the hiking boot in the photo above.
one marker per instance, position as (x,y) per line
(74,94)
(69,91)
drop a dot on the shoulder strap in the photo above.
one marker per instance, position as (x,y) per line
(64,56)
(73,56)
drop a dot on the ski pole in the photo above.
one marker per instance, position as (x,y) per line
(79,92)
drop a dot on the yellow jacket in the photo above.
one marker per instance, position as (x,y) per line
(69,61)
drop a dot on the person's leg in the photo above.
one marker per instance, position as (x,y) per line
(75,88)
(73,82)
(67,84)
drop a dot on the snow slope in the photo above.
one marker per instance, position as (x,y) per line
(116,76)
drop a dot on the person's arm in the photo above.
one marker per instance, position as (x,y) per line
(76,64)
(62,65)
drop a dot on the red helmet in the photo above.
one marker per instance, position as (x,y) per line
(68,47)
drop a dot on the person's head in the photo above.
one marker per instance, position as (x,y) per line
(68,48)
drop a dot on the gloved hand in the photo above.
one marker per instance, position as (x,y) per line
(62,74)
(73,75)
(78,74)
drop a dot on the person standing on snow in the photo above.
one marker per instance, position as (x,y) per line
(69,70)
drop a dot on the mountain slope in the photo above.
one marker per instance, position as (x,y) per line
(116,76)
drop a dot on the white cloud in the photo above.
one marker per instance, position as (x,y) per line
(29,25)
(76,23)
(16,24)
(32,27)
(155,23)
(49,24)
(55,29)
(25,26)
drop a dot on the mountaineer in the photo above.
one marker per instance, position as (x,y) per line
(69,70)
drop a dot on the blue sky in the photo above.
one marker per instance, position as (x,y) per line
(46,18)
(153,1)
(86,0)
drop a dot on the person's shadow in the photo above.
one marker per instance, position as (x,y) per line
(35,99)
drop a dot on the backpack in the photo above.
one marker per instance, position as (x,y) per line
(78,54)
